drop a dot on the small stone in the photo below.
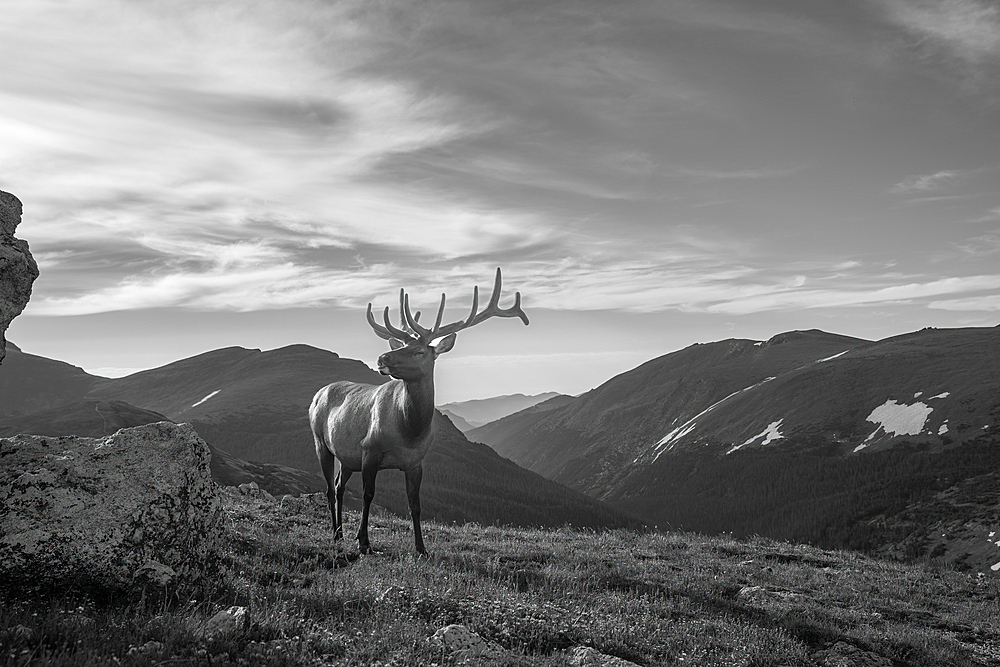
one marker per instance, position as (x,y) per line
(587,656)
(464,644)
(843,654)
(156,573)
(227,620)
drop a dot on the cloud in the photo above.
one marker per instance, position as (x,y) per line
(848,296)
(969,29)
(926,183)
(232,288)
(981,246)
(993,215)
(988,302)
(759,173)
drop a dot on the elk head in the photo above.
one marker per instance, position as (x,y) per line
(415,348)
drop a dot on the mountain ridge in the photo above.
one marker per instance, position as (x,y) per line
(481,411)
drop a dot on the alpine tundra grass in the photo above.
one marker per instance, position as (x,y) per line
(651,598)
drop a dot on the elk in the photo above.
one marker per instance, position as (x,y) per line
(366,428)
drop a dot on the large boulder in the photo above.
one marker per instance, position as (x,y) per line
(18,269)
(106,514)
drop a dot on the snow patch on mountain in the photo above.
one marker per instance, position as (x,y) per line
(770,434)
(839,354)
(670,439)
(895,419)
(194,405)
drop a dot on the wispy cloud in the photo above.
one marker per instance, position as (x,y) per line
(926,183)
(987,302)
(970,29)
(981,246)
(993,215)
(752,174)
(846,295)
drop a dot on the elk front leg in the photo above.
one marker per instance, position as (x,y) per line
(413,477)
(369,469)
(342,476)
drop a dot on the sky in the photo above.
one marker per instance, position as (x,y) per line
(648,174)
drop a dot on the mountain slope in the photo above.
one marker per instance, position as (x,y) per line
(459,423)
(234,378)
(92,419)
(30,383)
(605,429)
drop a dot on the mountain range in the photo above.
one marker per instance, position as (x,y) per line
(250,407)
(887,446)
(467,415)
(808,436)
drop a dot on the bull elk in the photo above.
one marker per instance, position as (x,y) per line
(366,428)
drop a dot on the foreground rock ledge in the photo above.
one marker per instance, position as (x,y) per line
(18,269)
(137,507)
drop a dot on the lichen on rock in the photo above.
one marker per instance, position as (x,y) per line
(18,269)
(135,508)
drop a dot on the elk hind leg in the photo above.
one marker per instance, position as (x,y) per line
(333,473)
(413,477)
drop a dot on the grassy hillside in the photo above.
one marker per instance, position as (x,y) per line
(651,598)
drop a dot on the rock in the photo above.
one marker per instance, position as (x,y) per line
(755,594)
(464,644)
(18,269)
(135,507)
(251,489)
(227,620)
(586,656)
(148,648)
(156,573)
(843,654)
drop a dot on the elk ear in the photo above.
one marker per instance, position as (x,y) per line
(395,343)
(444,344)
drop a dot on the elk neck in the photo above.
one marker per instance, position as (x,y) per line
(417,403)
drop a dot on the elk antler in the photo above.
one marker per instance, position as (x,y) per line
(418,332)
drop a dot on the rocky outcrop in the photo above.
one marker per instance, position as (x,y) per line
(464,645)
(17,267)
(106,514)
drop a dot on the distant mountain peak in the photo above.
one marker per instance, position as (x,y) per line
(300,348)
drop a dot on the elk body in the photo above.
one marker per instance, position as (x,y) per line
(366,428)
